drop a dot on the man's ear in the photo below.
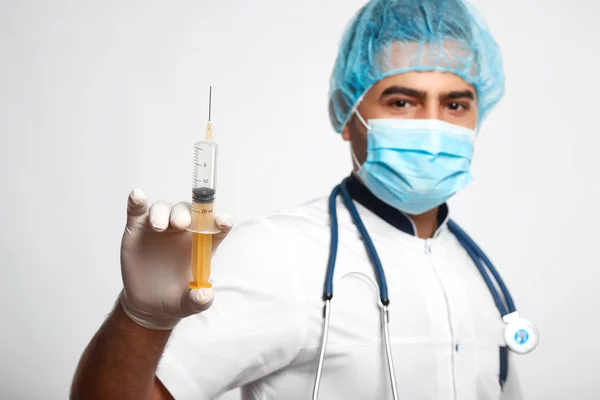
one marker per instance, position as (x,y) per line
(346,132)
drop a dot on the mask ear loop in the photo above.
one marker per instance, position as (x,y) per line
(358,165)
(362,120)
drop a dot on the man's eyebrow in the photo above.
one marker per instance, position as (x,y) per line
(405,91)
(458,95)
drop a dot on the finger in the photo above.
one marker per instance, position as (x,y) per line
(137,207)
(225,224)
(196,301)
(159,214)
(136,203)
(181,216)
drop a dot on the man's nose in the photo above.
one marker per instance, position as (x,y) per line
(431,110)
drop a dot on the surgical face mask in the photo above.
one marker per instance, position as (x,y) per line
(415,165)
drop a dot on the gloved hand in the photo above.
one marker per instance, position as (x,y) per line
(156,263)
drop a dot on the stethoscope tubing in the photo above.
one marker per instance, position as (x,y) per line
(477,255)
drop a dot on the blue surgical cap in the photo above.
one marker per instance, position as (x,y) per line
(389,37)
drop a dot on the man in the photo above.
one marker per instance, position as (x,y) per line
(412,84)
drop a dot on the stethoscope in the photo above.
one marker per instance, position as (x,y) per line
(520,335)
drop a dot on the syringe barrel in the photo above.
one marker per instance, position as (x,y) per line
(205,169)
(204,187)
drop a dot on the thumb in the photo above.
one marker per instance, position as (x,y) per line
(197,300)
(225,224)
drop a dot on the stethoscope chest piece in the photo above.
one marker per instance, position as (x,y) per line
(520,335)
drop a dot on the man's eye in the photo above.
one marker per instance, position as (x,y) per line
(457,106)
(401,103)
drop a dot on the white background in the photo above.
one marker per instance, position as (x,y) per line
(99,97)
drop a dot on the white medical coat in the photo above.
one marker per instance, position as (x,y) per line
(264,329)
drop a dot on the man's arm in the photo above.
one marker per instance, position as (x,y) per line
(160,392)
(120,362)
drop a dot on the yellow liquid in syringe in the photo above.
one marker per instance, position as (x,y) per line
(201,259)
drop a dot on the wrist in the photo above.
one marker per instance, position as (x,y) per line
(144,319)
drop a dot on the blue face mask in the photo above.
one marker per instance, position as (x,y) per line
(416,165)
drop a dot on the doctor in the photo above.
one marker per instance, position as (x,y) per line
(411,86)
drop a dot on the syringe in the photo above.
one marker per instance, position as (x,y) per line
(203,224)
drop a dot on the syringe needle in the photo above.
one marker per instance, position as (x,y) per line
(209,102)
(209,125)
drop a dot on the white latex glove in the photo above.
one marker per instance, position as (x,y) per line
(156,263)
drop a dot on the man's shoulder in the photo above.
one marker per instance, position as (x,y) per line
(310,215)
(267,241)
